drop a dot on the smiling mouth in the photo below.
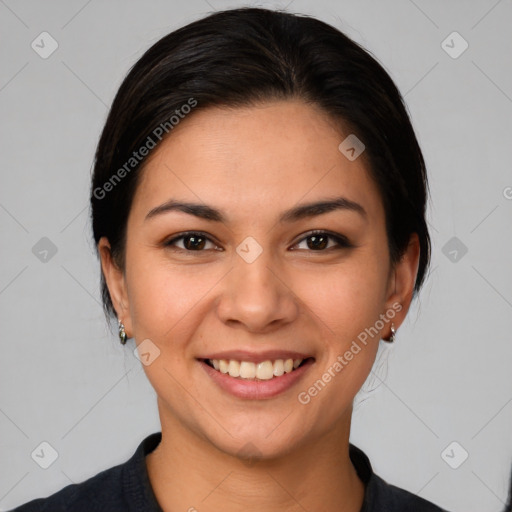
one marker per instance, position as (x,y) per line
(265,370)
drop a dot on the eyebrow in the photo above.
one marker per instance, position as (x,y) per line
(292,215)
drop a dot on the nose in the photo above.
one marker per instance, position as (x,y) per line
(257,296)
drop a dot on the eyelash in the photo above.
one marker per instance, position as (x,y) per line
(341,241)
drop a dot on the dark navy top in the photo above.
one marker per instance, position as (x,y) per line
(126,488)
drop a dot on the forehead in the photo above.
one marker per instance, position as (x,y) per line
(255,159)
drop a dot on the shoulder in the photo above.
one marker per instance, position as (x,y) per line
(97,493)
(122,487)
(381,496)
(389,498)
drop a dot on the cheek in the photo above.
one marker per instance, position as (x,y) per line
(345,305)
(348,297)
(164,297)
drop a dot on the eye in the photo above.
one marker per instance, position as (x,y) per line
(195,241)
(319,241)
(192,241)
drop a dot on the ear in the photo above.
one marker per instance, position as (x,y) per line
(401,281)
(115,279)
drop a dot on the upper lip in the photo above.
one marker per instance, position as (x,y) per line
(256,357)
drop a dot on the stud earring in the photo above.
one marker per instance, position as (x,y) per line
(391,339)
(122,333)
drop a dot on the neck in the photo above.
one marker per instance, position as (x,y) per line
(188,473)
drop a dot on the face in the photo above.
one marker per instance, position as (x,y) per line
(264,275)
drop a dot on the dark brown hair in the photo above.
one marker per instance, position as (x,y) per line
(243,57)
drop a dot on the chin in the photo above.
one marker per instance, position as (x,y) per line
(257,444)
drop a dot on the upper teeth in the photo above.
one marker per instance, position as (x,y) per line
(247,370)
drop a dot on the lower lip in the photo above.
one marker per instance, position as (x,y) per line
(257,389)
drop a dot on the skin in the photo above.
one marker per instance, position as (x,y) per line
(252,164)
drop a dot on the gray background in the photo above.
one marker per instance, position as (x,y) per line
(64,378)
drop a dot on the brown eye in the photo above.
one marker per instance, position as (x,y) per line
(191,242)
(194,242)
(316,242)
(319,241)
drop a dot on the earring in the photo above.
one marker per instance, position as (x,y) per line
(122,332)
(391,339)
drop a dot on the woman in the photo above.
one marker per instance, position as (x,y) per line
(258,205)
